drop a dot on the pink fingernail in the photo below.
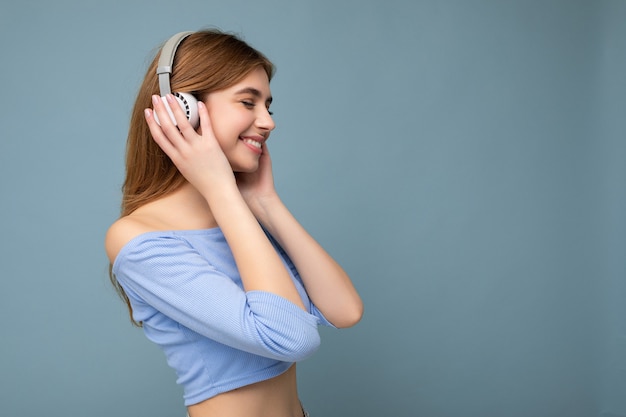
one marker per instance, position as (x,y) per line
(155,99)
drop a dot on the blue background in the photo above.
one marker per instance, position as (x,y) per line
(464,160)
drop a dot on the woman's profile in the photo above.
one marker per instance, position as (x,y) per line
(207,257)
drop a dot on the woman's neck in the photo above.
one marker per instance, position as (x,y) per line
(183,209)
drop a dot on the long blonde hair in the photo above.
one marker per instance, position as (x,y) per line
(205,61)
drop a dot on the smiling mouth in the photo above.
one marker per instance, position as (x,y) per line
(252,142)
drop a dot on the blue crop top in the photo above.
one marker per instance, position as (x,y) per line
(185,288)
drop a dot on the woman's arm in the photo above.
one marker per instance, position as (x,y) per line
(327,284)
(201,161)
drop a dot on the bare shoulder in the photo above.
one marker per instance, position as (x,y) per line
(123,231)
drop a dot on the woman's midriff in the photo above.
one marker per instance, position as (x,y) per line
(275,397)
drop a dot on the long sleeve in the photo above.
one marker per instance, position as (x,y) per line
(168,275)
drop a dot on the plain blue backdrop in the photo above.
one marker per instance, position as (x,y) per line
(464,160)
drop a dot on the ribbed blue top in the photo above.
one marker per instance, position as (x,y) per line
(185,288)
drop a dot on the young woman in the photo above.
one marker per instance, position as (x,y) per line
(208,259)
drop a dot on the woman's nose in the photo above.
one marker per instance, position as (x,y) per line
(265,120)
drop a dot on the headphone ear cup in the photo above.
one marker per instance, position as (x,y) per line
(188,103)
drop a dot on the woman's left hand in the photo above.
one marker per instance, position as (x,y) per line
(257,188)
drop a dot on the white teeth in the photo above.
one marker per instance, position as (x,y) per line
(253,143)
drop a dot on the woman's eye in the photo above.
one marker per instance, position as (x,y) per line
(251,105)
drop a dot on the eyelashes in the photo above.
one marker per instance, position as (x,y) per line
(250,105)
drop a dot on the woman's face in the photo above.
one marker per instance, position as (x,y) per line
(241,120)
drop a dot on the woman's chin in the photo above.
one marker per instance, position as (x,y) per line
(246,169)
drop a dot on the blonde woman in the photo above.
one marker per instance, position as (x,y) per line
(209,260)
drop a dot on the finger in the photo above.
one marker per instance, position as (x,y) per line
(180,118)
(163,131)
(161,112)
(206,127)
(178,132)
(184,126)
(157,133)
(172,127)
(205,121)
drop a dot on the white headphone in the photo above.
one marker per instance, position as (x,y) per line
(187,101)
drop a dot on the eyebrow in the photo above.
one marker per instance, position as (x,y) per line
(254,92)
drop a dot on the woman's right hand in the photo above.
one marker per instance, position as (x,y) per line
(197,155)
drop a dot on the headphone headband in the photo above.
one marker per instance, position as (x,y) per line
(166,60)
(188,103)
